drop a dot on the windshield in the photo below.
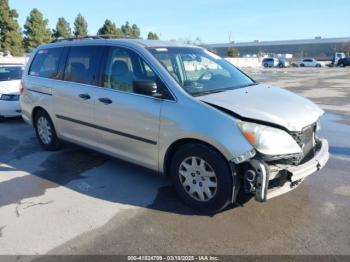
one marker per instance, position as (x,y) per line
(10,73)
(199,71)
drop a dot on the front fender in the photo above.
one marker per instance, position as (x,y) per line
(199,121)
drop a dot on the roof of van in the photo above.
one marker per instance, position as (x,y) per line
(131,42)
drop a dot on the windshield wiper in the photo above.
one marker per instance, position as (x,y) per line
(210,92)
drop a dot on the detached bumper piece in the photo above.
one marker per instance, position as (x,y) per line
(256,179)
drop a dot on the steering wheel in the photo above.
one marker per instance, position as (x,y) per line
(204,74)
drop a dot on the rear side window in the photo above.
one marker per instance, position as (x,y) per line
(82,64)
(46,63)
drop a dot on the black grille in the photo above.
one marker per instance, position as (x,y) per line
(306,140)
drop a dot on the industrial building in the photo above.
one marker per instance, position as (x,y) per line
(320,48)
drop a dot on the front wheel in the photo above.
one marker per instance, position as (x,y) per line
(202,178)
(45,131)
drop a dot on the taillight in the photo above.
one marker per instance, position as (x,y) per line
(21,88)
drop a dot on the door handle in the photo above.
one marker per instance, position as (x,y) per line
(105,100)
(85,96)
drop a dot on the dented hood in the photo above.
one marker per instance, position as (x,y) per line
(268,104)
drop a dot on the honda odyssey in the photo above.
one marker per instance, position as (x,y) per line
(180,110)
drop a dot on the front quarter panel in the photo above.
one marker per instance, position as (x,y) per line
(190,118)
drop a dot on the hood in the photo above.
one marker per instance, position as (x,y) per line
(10,87)
(268,104)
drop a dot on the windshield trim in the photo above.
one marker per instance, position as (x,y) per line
(204,93)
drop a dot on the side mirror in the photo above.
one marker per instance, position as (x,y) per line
(146,87)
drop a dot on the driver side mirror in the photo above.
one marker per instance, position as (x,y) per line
(146,87)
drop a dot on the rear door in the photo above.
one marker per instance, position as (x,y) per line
(74,96)
(128,123)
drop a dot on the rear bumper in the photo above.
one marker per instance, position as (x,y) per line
(299,173)
(9,108)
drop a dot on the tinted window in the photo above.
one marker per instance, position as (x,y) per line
(123,67)
(82,64)
(46,62)
(10,73)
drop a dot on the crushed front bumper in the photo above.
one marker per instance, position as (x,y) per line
(296,174)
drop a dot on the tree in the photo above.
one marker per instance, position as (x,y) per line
(10,32)
(109,28)
(35,30)
(130,31)
(152,36)
(135,31)
(62,29)
(80,26)
(232,52)
(197,41)
(126,29)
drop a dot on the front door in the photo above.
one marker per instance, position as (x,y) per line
(128,122)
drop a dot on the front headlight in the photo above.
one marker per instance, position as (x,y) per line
(268,140)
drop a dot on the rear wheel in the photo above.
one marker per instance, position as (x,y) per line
(318,65)
(266,65)
(45,131)
(302,65)
(202,178)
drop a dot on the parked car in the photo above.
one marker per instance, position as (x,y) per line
(10,80)
(209,126)
(344,61)
(309,62)
(337,57)
(270,62)
(282,63)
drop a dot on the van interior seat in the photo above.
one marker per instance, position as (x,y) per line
(78,72)
(121,77)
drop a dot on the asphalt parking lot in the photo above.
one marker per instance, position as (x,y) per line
(76,201)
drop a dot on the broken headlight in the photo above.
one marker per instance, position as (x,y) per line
(268,140)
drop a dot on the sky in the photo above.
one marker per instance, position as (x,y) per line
(213,21)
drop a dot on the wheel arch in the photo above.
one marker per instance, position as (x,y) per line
(179,143)
(35,110)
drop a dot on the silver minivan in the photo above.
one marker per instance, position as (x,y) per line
(180,110)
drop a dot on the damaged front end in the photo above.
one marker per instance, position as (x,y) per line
(268,176)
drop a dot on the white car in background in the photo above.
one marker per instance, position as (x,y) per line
(309,62)
(10,81)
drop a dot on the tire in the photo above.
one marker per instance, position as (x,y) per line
(221,195)
(342,64)
(302,65)
(266,65)
(47,139)
(318,65)
(280,65)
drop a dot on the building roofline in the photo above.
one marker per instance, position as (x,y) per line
(283,42)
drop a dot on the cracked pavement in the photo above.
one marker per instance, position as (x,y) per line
(76,201)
